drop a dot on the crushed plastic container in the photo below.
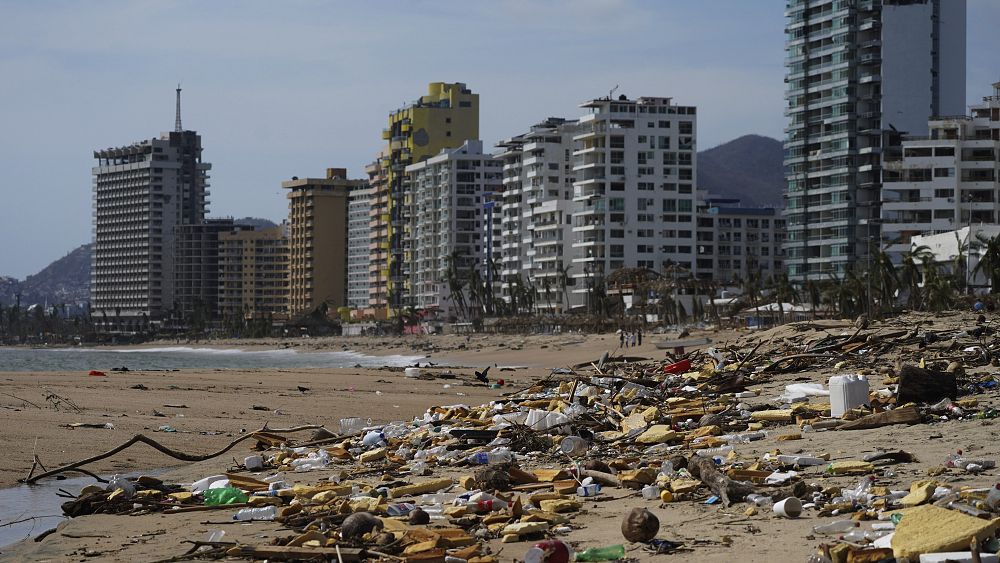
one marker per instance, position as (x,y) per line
(846,393)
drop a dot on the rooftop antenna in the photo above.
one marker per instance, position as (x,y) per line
(611,94)
(177,120)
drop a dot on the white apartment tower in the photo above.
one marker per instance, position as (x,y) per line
(857,71)
(447,224)
(634,188)
(536,207)
(946,180)
(358,253)
(143,192)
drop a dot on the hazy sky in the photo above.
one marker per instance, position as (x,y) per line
(282,89)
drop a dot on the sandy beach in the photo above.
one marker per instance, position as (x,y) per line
(208,408)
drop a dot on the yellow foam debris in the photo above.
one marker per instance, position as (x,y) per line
(658,434)
(931,529)
(920,492)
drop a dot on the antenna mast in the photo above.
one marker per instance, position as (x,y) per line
(177,120)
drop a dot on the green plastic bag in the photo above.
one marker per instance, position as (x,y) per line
(225,495)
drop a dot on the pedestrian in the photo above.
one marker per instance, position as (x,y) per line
(631,339)
(640,337)
(621,338)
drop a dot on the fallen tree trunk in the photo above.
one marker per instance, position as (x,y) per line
(729,491)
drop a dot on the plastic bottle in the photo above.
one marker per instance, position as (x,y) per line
(609,553)
(859,535)
(400,509)
(860,493)
(762,501)
(224,495)
(993,498)
(373,438)
(490,458)
(836,527)
(650,492)
(801,460)
(261,513)
(711,452)
(437,498)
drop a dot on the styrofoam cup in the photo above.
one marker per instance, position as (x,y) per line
(412,372)
(790,507)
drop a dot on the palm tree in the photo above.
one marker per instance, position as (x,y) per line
(989,261)
(456,286)
(910,275)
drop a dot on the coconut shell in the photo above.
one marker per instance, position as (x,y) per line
(359,524)
(640,525)
(418,516)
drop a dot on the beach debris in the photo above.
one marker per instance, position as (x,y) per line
(640,525)
(706,427)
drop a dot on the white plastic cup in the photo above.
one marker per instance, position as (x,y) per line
(790,507)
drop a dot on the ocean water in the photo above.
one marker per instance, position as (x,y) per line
(183,357)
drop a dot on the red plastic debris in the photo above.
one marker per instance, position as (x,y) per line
(97,373)
(678,367)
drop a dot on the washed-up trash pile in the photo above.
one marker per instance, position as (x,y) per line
(460,480)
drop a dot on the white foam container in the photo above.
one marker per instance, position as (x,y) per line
(847,392)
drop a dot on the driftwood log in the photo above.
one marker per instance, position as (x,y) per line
(730,491)
(141,439)
(903,415)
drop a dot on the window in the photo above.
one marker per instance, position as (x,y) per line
(646,186)
(669,205)
(944,193)
(645,203)
(944,172)
(447,120)
(644,233)
(617,233)
(645,217)
(664,124)
(686,128)
(447,133)
(465,104)
(644,249)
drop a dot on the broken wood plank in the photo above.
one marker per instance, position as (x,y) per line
(903,415)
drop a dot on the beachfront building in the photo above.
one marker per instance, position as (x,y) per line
(856,72)
(196,266)
(142,192)
(317,241)
(535,244)
(253,274)
(445,118)
(634,189)
(736,243)
(358,252)
(446,194)
(945,181)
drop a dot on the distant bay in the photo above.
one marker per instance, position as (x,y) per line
(184,357)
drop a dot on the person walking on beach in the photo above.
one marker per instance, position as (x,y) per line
(621,338)
(640,337)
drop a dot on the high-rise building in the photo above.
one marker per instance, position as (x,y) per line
(944,181)
(447,227)
(142,193)
(253,279)
(317,240)
(445,118)
(196,266)
(634,175)
(358,252)
(857,72)
(535,210)
(736,243)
